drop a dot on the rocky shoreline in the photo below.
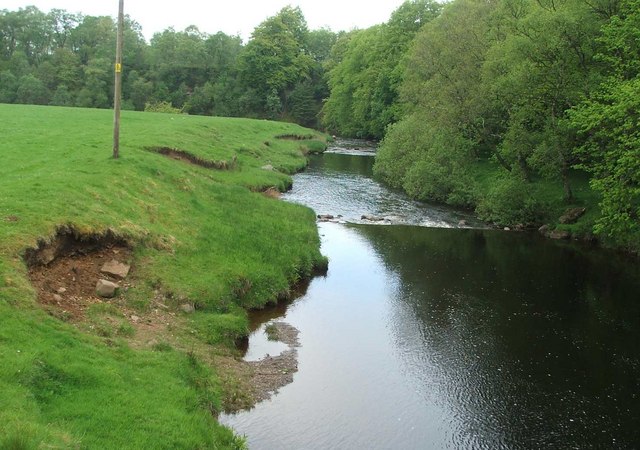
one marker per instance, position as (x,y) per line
(274,372)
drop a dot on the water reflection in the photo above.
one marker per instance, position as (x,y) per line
(427,338)
(535,343)
(434,338)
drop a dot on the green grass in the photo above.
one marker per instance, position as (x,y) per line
(199,234)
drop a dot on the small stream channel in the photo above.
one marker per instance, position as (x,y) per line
(431,334)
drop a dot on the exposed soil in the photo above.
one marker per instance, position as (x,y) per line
(181,155)
(69,282)
(295,137)
(64,272)
(272,193)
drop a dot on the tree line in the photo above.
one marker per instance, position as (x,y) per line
(516,108)
(65,59)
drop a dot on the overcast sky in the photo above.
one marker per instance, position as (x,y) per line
(230,16)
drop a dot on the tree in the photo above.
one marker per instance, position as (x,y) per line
(541,68)
(31,91)
(429,152)
(8,87)
(137,90)
(96,92)
(609,122)
(62,97)
(61,24)
(365,82)
(276,59)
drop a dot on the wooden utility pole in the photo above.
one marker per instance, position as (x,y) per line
(117,95)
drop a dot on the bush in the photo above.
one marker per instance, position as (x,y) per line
(510,201)
(428,164)
(162,107)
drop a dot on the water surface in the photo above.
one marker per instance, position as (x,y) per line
(447,338)
(340,183)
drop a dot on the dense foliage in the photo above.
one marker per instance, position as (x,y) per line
(517,108)
(64,59)
(366,69)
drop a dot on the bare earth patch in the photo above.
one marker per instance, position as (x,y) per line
(184,156)
(64,274)
(68,283)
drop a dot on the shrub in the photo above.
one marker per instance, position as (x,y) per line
(511,200)
(162,107)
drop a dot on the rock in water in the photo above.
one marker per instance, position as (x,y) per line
(560,235)
(106,289)
(544,230)
(116,269)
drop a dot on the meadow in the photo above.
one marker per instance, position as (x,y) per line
(208,237)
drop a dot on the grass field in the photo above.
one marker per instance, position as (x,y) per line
(199,235)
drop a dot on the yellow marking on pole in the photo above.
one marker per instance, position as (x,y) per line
(118,67)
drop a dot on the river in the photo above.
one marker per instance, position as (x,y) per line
(431,333)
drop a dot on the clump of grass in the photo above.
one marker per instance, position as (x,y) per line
(314,147)
(162,347)
(272,332)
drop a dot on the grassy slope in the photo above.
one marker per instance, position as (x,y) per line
(200,234)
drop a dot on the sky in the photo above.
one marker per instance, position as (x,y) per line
(234,17)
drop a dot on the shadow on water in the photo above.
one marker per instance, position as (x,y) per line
(537,341)
(446,338)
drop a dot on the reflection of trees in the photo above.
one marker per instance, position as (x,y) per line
(350,164)
(526,333)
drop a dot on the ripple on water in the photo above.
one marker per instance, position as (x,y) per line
(341,183)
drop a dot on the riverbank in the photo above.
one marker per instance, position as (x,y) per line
(183,209)
(569,209)
(481,338)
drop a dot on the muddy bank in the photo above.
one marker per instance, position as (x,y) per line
(250,382)
(64,270)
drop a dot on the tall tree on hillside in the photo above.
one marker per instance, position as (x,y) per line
(275,60)
(542,67)
(365,81)
(446,113)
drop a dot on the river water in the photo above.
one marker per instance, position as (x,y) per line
(426,335)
